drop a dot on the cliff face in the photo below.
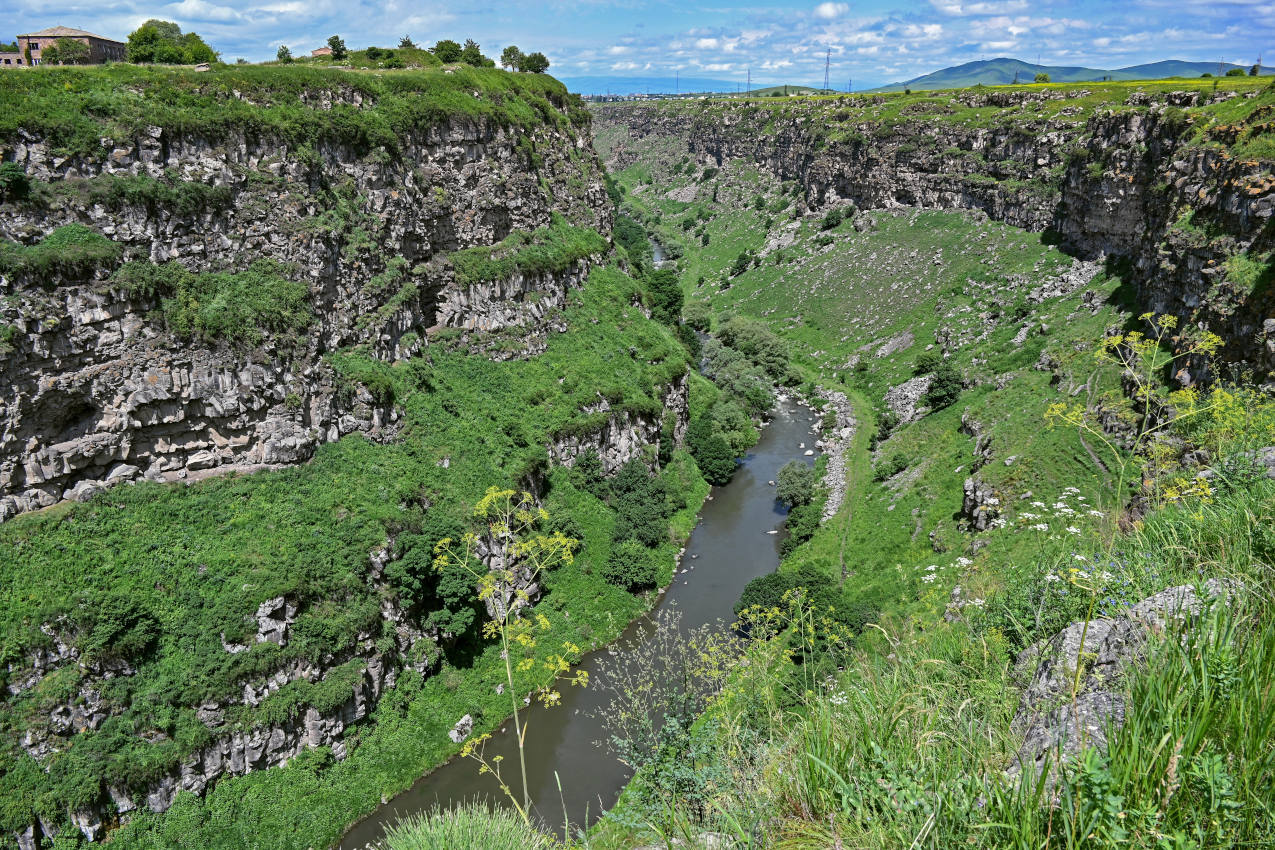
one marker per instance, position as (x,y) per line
(96,389)
(1120,182)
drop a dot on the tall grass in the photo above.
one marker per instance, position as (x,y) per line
(474,826)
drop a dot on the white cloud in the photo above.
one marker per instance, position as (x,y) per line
(954,7)
(829,11)
(199,10)
(706,43)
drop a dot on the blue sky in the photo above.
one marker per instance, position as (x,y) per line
(873,42)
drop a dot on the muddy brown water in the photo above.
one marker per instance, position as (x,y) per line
(729,547)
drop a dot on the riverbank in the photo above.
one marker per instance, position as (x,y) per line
(733,541)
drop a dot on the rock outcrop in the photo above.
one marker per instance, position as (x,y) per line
(1056,723)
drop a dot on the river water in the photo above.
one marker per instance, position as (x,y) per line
(729,547)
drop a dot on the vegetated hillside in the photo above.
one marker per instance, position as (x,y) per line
(979,521)
(405,279)
(1006,71)
(1174,178)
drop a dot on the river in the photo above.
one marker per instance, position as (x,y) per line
(729,547)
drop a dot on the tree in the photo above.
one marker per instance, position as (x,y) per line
(284,54)
(1042,78)
(927,363)
(534,63)
(795,484)
(1255,70)
(447,51)
(945,387)
(66,51)
(14,182)
(338,47)
(406,43)
(163,41)
(472,54)
(711,452)
(511,57)
(1235,72)
(632,566)
(665,296)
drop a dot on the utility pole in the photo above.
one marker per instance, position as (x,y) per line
(749,91)
(850,86)
(827,65)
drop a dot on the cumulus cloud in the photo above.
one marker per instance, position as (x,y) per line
(830,11)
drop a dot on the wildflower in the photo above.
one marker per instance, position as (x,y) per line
(929,578)
(1029,515)
(963,562)
(1038,504)
(1050,577)
(1094,513)
(1040,526)
(931,568)
(1080,558)
(1071,529)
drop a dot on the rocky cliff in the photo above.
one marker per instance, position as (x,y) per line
(99,387)
(1134,179)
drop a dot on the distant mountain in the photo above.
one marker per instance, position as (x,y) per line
(654,85)
(1004,71)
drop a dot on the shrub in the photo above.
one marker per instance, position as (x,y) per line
(632,566)
(927,363)
(665,292)
(890,467)
(801,524)
(235,306)
(833,219)
(712,454)
(70,251)
(945,388)
(14,182)
(795,484)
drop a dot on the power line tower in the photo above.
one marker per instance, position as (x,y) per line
(748,92)
(827,65)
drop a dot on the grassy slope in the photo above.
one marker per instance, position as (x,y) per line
(842,300)
(199,558)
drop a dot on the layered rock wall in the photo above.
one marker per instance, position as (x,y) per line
(95,390)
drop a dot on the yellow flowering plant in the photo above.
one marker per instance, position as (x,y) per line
(508,558)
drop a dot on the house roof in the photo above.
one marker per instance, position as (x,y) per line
(66,32)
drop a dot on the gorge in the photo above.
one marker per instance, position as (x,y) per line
(264,346)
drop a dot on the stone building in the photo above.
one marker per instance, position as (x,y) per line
(32,45)
(321,51)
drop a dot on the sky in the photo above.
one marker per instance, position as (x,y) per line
(871,42)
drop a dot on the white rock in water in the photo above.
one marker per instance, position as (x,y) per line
(772,532)
(802,446)
(809,452)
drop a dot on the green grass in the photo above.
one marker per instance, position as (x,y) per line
(469,827)
(74,108)
(69,252)
(555,248)
(157,574)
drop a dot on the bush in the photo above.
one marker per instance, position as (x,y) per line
(712,454)
(927,363)
(163,42)
(890,467)
(665,296)
(632,566)
(14,182)
(833,219)
(801,524)
(945,388)
(473,826)
(71,251)
(795,484)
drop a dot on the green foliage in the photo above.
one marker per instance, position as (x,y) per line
(665,292)
(283,54)
(890,466)
(760,345)
(239,307)
(555,248)
(1041,78)
(337,45)
(533,63)
(65,51)
(800,525)
(473,826)
(74,108)
(795,483)
(711,452)
(14,183)
(510,58)
(447,51)
(926,363)
(1236,72)
(632,566)
(832,219)
(163,42)
(69,253)
(945,387)
(117,191)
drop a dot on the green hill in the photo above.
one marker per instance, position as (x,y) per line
(1005,71)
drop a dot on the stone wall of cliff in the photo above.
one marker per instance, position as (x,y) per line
(95,389)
